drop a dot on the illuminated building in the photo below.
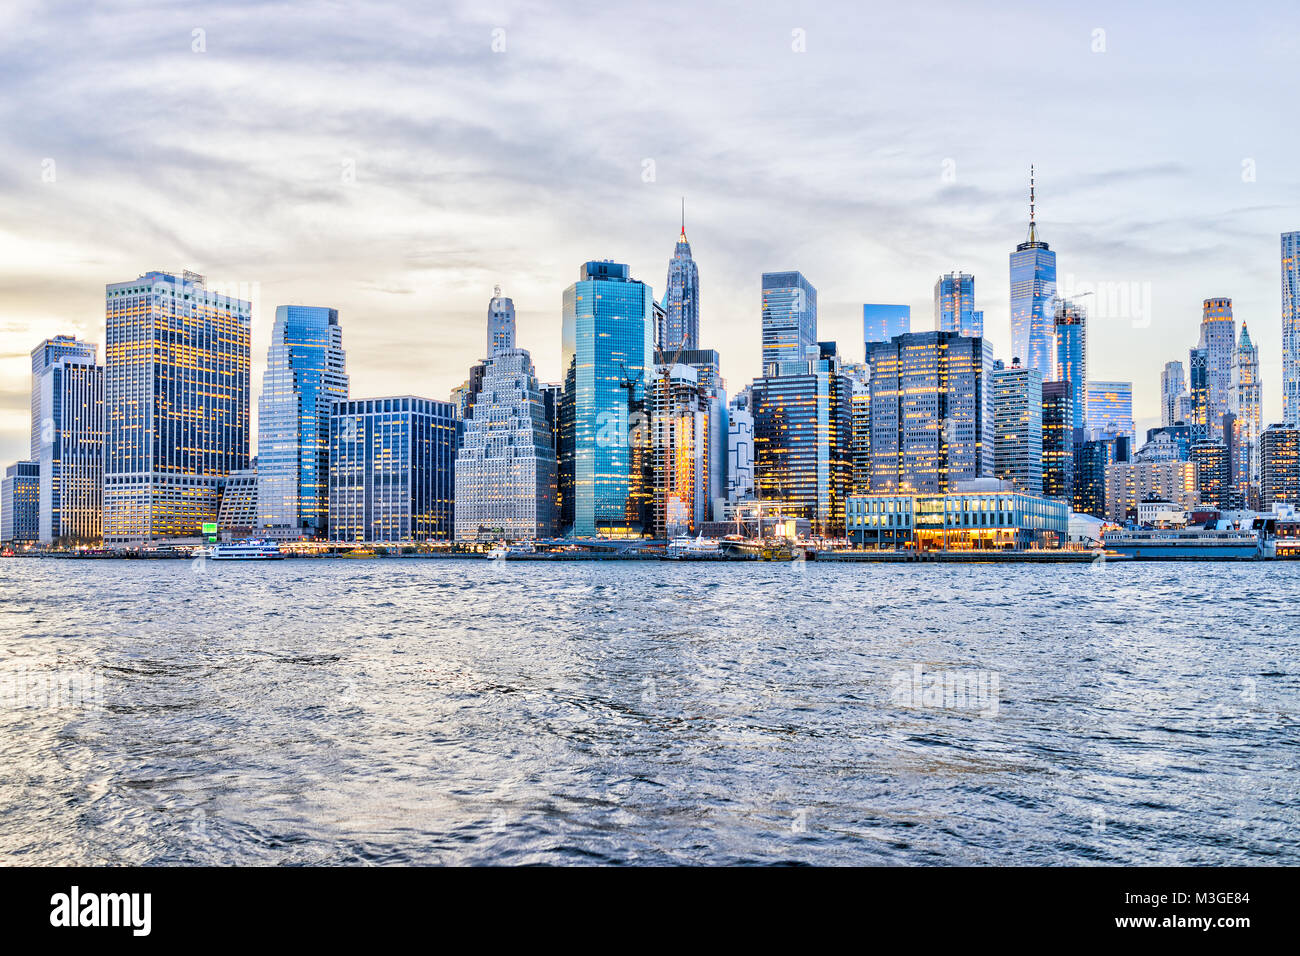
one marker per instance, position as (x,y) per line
(1198,375)
(1018,427)
(789,322)
(954,305)
(1128,483)
(305,375)
(679,424)
(1033,289)
(1071,324)
(931,411)
(681,321)
(803,427)
(506,473)
(237,515)
(20,495)
(1218,342)
(392,469)
(881,322)
(1291,328)
(1279,466)
(1169,443)
(1172,388)
(176,404)
(607,352)
(1246,407)
(860,381)
(43,356)
(71,455)
(1058,440)
(501,323)
(986,514)
(1110,410)
(740,449)
(1212,472)
(713,393)
(1091,461)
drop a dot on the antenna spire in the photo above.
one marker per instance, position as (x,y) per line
(1033,231)
(683,215)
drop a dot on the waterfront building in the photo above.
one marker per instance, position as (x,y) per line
(985,514)
(1128,483)
(1172,388)
(305,375)
(500,323)
(237,509)
(1018,426)
(506,474)
(1110,410)
(1033,291)
(740,449)
(44,356)
(789,322)
(713,394)
(803,426)
(931,411)
(860,444)
(20,496)
(1058,440)
(176,404)
(954,305)
(1091,461)
(1279,466)
(1291,329)
(1071,327)
(607,353)
(1219,343)
(679,423)
(881,322)
(1246,407)
(392,469)
(681,305)
(71,454)
(1212,472)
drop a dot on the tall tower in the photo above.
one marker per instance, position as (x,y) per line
(43,356)
(501,323)
(1033,287)
(1018,427)
(954,305)
(1071,324)
(1291,328)
(789,322)
(1248,416)
(1219,341)
(1172,387)
(305,374)
(681,323)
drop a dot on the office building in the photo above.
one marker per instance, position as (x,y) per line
(237,507)
(1058,440)
(1071,328)
(954,305)
(1129,483)
(43,356)
(71,453)
(392,469)
(1018,427)
(1212,472)
(981,515)
(881,322)
(681,306)
(679,410)
(500,323)
(1033,291)
(1172,388)
(20,495)
(1279,466)
(1091,461)
(1219,343)
(1291,329)
(789,323)
(1245,404)
(1110,410)
(740,449)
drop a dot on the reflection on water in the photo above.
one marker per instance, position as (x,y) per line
(431,711)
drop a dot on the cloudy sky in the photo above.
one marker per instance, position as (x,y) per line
(397,160)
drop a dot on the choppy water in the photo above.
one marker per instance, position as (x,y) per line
(434,711)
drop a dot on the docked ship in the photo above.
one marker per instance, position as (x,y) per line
(1185,544)
(684,546)
(254,549)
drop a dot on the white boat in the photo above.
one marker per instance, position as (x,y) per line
(254,549)
(1185,544)
(684,546)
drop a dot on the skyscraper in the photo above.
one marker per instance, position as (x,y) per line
(176,404)
(1172,385)
(740,449)
(1058,440)
(954,305)
(1246,407)
(501,323)
(392,469)
(1033,288)
(1219,342)
(506,473)
(679,425)
(1291,328)
(1212,472)
(1018,427)
(608,351)
(681,322)
(1279,466)
(1071,324)
(20,497)
(789,322)
(305,375)
(931,412)
(1198,397)
(1110,410)
(43,356)
(71,455)
(880,322)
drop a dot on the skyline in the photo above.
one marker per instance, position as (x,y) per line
(454,194)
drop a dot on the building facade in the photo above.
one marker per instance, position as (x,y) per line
(740,450)
(881,322)
(954,305)
(1245,404)
(789,322)
(500,323)
(977,518)
(1129,483)
(681,322)
(1033,291)
(1219,343)
(20,497)
(176,404)
(1213,473)
(43,356)
(1018,427)
(1291,329)
(1172,387)
(237,510)
(1071,326)
(1279,466)
(392,470)
(1110,410)
(71,454)
(1058,440)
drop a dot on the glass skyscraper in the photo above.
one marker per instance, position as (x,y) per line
(681,321)
(72,450)
(880,323)
(20,493)
(789,323)
(1219,342)
(607,354)
(1071,324)
(43,356)
(1291,328)
(1172,388)
(1110,410)
(176,404)
(1033,289)
(305,375)
(1058,440)
(954,305)
(393,469)
(1018,427)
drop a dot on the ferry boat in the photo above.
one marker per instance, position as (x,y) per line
(504,551)
(684,546)
(254,549)
(1185,544)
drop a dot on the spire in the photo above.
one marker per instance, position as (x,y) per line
(1033,229)
(1244,342)
(683,217)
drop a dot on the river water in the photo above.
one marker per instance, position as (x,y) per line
(457,711)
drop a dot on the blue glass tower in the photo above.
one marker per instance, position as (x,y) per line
(305,375)
(954,305)
(880,323)
(1033,287)
(789,323)
(608,351)
(1072,356)
(681,325)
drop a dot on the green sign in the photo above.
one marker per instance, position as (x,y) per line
(209,527)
